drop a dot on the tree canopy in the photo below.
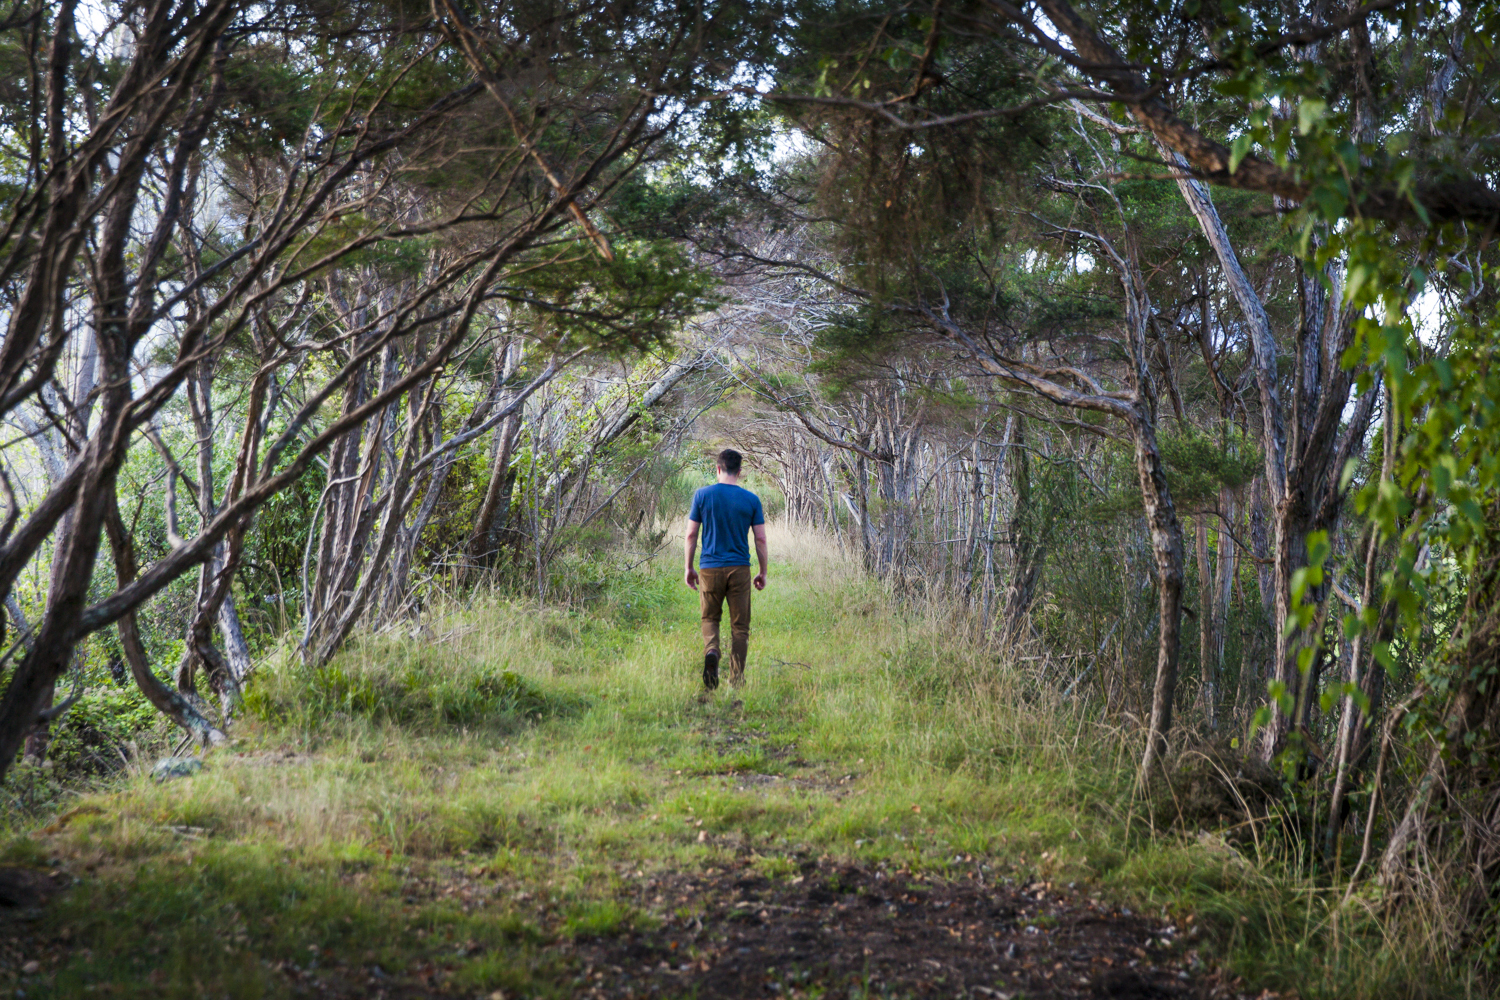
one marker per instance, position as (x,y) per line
(1098,323)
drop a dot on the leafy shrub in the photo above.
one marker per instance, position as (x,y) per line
(95,732)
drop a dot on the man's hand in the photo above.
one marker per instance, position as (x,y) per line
(762,555)
(690,575)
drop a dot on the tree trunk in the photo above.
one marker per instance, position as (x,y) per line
(866,531)
(78,547)
(411,534)
(187,710)
(1208,615)
(1166,548)
(482,545)
(1365,673)
(1320,389)
(1028,547)
(337,503)
(976,524)
(1227,562)
(215,604)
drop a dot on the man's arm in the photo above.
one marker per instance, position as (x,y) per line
(763,554)
(690,576)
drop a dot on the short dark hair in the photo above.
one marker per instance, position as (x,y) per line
(729,461)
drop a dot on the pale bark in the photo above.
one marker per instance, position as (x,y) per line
(1301,474)
(1166,548)
(976,525)
(482,541)
(1208,622)
(1225,566)
(1028,549)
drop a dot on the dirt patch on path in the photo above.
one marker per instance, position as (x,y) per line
(842,930)
(23,893)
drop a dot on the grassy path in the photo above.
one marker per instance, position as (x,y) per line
(531,803)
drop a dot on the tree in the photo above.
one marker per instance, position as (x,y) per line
(320,142)
(1365,130)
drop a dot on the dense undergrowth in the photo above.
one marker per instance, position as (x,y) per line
(448,804)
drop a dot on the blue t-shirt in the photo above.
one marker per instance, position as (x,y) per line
(727,513)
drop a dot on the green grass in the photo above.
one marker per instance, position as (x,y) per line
(452,805)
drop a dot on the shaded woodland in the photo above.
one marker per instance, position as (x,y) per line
(1150,343)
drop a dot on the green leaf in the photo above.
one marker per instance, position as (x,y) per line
(1347,476)
(1382,653)
(1330,201)
(1442,475)
(1472,512)
(1355,279)
(1310,113)
(1238,150)
(1305,659)
(1318,548)
(1299,583)
(1444,371)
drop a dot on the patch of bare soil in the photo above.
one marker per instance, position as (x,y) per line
(835,930)
(841,930)
(23,889)
(23,893)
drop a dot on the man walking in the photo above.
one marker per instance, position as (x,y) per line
(726,512)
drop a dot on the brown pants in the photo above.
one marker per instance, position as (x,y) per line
(715,586)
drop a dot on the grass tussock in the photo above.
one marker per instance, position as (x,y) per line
(451,803)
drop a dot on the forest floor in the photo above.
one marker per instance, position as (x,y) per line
(522,802)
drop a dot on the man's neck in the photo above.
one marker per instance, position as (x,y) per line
(728,480)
